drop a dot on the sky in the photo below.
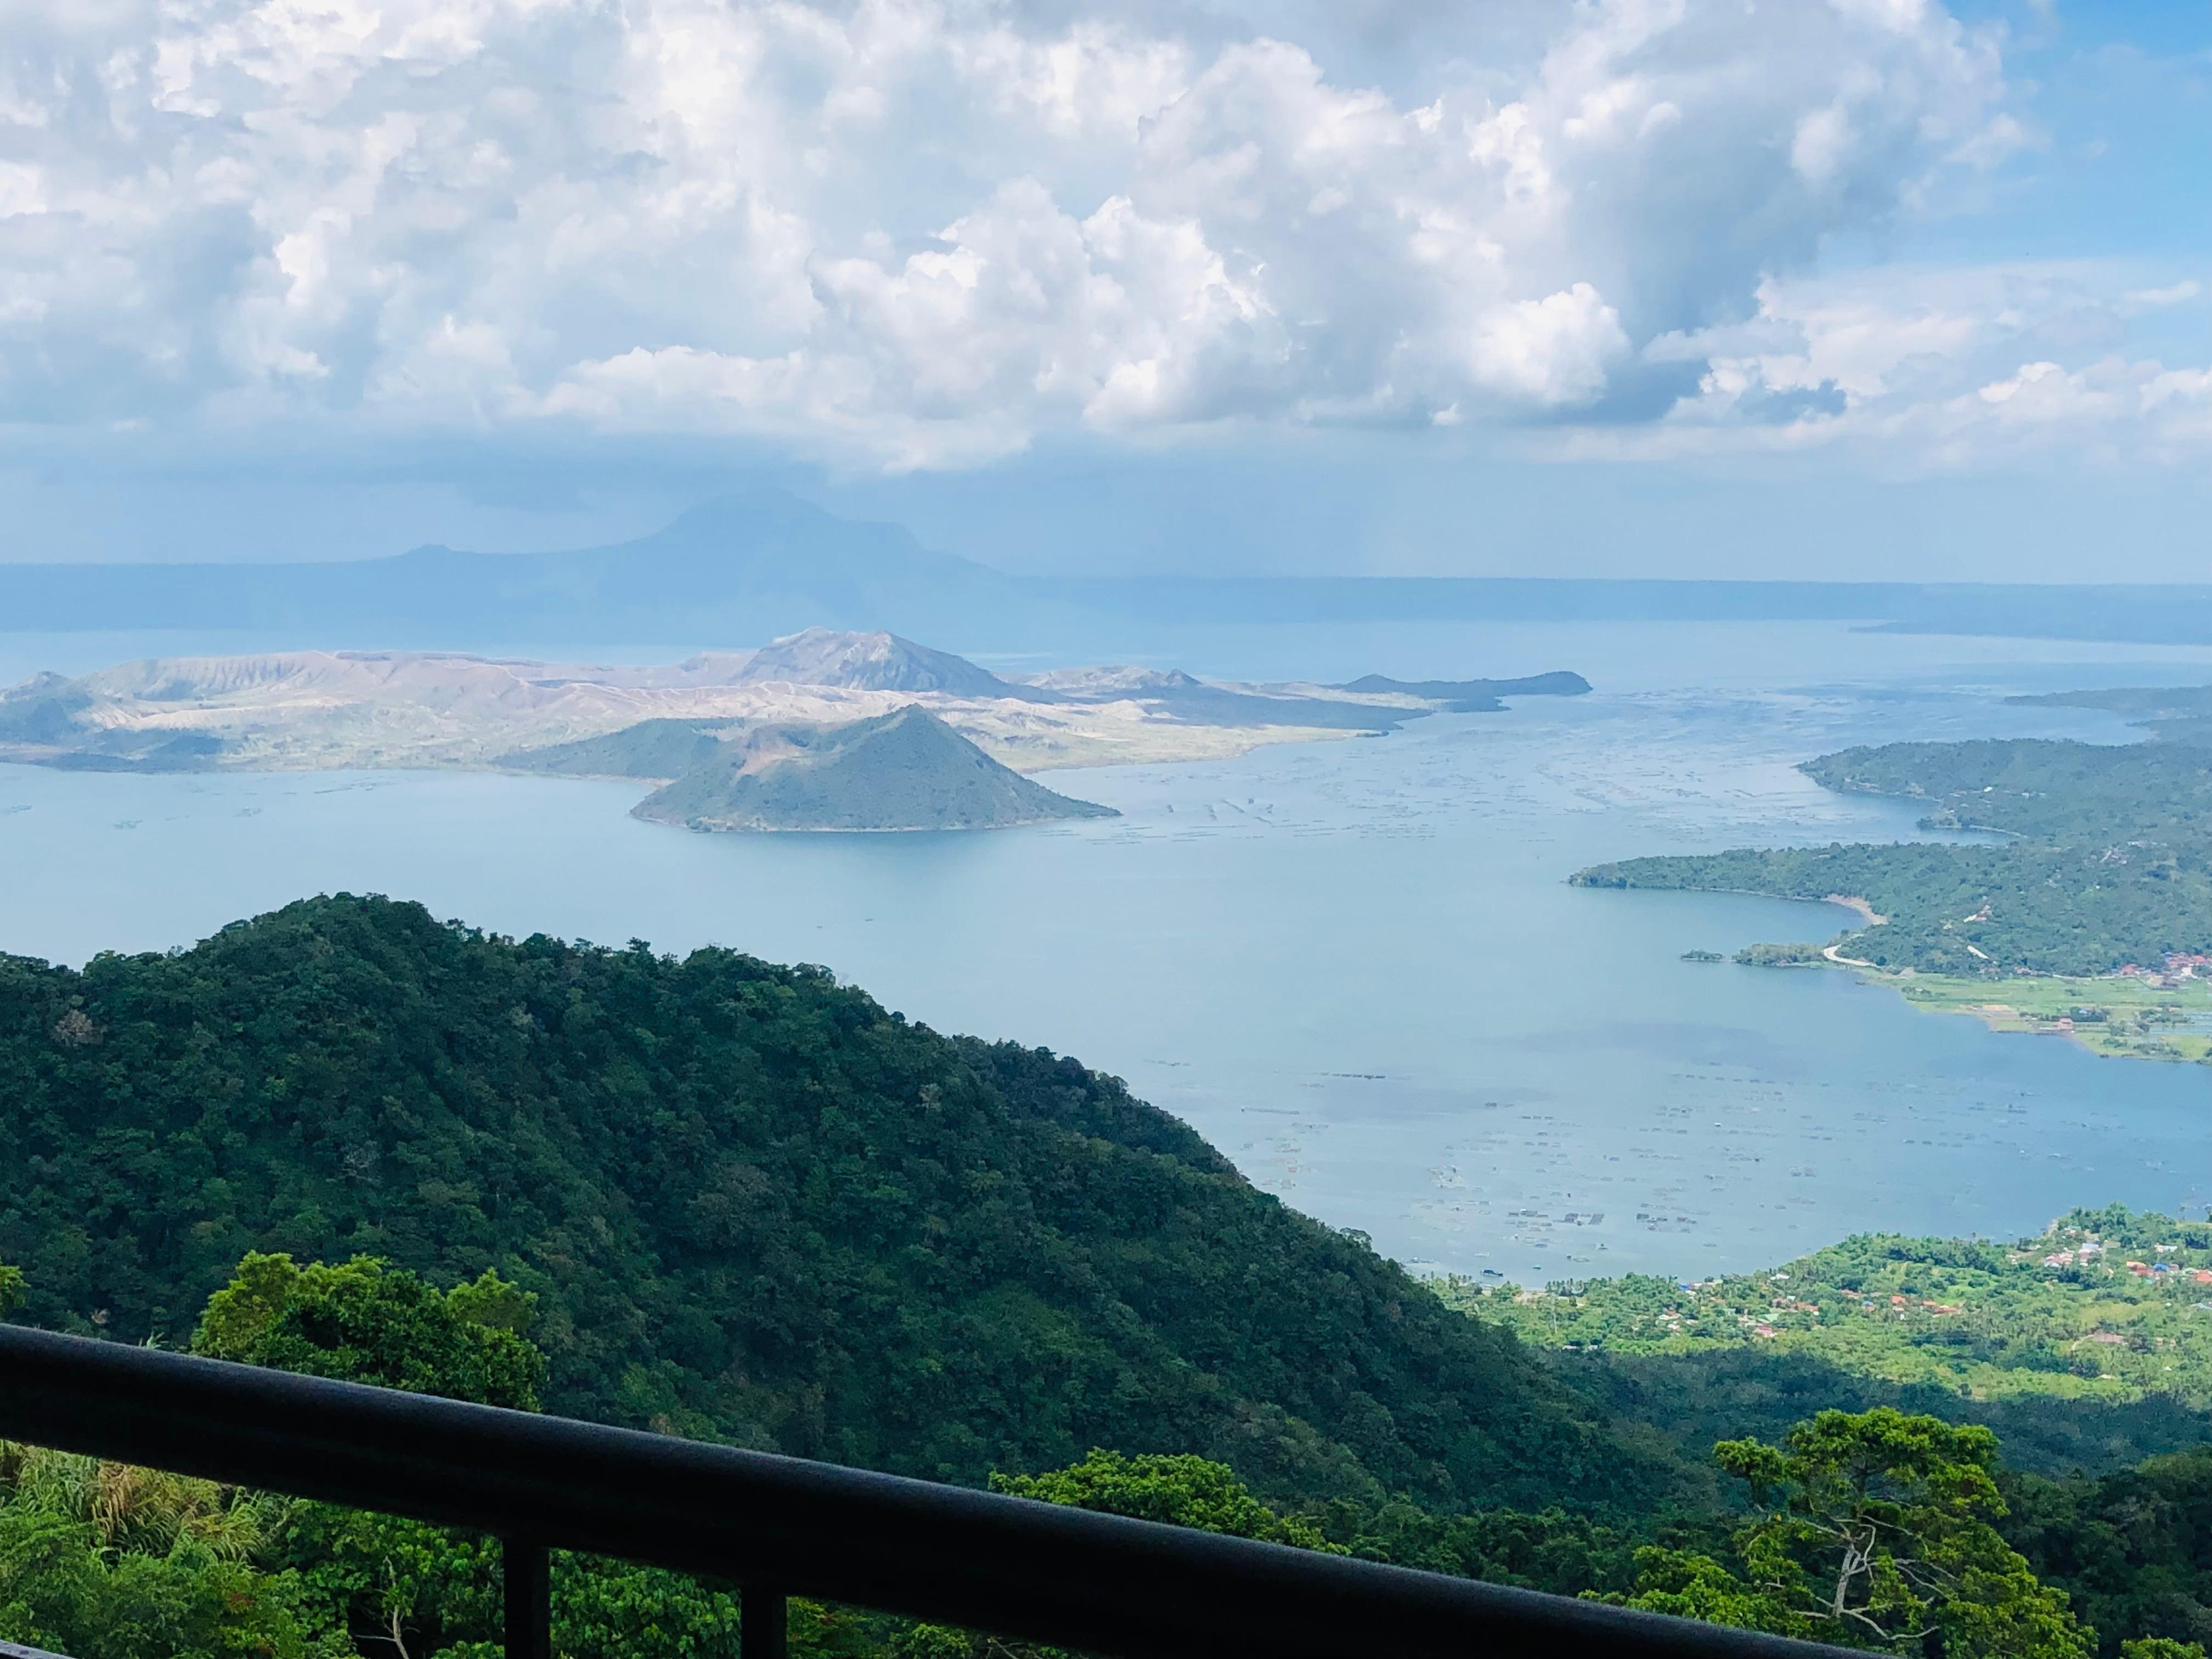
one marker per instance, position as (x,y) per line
(1825,289)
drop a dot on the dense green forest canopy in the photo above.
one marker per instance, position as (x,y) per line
(1966,910)
(2109,862)
(751,1204)
(2069,793)
(2132,1550)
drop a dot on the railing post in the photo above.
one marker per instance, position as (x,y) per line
(764,1623)
(529,1599)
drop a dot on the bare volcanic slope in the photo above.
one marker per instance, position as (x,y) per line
(307,709)
(872,662)
(907,770)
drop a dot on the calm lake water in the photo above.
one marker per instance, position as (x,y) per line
(1355,966)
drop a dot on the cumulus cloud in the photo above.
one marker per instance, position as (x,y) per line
(922,233)
(1921,370)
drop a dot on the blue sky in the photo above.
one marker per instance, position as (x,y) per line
(1827,289)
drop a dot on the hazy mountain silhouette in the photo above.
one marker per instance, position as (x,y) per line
(746,569)
(738,571)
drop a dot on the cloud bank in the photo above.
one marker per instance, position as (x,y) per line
(912,234)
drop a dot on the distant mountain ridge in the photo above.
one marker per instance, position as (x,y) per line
(743,568)
(737,570)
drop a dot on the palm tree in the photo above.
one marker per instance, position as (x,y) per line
(147,1511)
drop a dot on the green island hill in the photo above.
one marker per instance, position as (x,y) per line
(907,770)
(657,749)
(2182,713)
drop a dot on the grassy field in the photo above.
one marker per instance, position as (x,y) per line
(2124,1018)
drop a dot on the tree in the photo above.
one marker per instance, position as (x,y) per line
(11,1290)
(366,1322)
(61,1589)
(396,1587)
(124,1508)
(1874,1530)
(1181,1490)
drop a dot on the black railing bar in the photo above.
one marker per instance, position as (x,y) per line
(1017,1568)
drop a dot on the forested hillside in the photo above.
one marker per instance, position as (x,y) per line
(2069,793)
(2180,713)
(752,1204)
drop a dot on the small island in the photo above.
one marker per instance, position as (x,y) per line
(908,770)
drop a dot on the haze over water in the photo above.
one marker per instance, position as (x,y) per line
(1354,966)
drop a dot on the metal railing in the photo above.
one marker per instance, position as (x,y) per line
(783,1526)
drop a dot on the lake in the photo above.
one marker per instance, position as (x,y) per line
(1355,966)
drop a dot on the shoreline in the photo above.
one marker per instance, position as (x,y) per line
(2111,1016)
(1852,902)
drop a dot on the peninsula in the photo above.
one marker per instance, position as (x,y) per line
(2091,919)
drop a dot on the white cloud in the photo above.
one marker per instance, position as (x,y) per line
(922,233)
(2158,299)
(1925,370)
(1551,351)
